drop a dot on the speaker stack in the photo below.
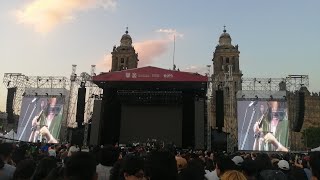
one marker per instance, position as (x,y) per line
(299,112)
(219,110)
(81,106)
(9,105)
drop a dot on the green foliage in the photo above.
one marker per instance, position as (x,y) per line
(311,137)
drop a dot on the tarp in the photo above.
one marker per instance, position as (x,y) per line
(316,149)
(10,135)
(149,74)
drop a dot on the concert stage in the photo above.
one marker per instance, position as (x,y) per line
(150,103)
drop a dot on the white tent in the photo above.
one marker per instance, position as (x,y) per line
(316,149)
(10,135)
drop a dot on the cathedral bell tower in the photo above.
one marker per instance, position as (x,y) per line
(227,78)
(124,56)
(226,62)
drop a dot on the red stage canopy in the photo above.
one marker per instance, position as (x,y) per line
(150,74)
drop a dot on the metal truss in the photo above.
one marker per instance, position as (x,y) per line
(93,91)
(295,82)
(76,81)
(262,84)
(15,80)
(291,83)
(23,82)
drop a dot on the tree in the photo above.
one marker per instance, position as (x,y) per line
(311,137)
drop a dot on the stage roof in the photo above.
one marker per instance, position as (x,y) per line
(150,74)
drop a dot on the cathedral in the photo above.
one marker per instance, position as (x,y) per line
(226,78)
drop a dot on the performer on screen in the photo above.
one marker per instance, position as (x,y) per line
(46,125)
(271,129)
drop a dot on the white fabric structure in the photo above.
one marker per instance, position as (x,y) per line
(316,149)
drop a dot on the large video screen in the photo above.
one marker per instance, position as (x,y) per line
(40,119)
(263,125)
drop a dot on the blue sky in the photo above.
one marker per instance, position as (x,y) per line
(45,37)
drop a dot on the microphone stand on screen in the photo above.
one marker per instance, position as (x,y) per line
(31,115)
(24,116)
(253,103)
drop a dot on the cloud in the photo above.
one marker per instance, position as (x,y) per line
(148,51)
(45,15)
(105,64)
(196,69)
(170,33)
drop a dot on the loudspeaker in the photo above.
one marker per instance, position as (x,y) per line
(96,122)
(81,106)
(9,105)
(219,109)
(299,116)
(77,136)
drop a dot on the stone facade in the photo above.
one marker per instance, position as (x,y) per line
(124,56)
(227,77)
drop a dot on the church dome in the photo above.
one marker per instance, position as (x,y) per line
(126,39)
(225,39)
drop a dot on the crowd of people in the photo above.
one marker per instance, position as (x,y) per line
(36,161)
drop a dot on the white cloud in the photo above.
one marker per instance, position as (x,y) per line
(45,15)
(170,33)
(196,69)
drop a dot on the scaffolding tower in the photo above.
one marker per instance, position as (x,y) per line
(23,82)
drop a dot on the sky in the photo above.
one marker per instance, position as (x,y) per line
(45,37)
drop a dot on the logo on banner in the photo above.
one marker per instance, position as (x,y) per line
(128,75)
(134,75)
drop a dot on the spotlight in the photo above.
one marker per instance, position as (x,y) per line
(271,97)
(61,94)
(256,96)
(47,94)
(243,95)
(269,81)
(36,94)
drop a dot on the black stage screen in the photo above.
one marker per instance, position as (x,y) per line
(142,122)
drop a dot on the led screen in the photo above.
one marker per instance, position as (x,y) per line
(40,119)
(263,125)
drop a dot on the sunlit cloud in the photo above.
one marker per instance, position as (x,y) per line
(170,32)
(45,15)
(149,51)
(196,69)
(105,64)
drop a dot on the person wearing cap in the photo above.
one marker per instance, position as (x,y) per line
(238,160)
(284,165)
